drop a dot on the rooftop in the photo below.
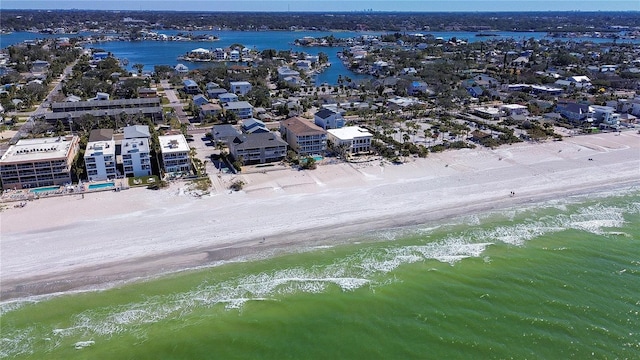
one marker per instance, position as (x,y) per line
(42,149)
(300,126)
(173,143)
(350,132)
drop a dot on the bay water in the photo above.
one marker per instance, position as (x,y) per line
(556,280)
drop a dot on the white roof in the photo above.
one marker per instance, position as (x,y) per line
(200,51)
(100,148)
(42,149)
(131,145)
(173,143)
(350,132)
(513,106)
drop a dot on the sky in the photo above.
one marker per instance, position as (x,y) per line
(328,5)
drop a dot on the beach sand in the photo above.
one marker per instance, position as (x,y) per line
(72,243)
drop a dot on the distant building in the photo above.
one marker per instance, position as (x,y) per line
(240,87)
(100,155)
(417,87)
(285,71)
(181,69)
(354,138)
(303,136)
(32,163)
(190,86)
(175,154)
(328,119)
(135,150)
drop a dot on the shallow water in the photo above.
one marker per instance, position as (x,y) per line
(555,280)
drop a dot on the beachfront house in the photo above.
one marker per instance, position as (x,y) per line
(136,158)
(353,139)
(328,119)
(574,112)
(32,163)
(175,154)
(240,87)
(242,109)
(258,148)
(100,155)
(303,136)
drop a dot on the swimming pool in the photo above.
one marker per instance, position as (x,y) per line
(101,186)
(44,189)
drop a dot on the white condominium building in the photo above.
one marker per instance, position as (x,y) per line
(175,153)
(136,159)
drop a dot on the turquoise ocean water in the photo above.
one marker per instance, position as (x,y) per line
(558,280)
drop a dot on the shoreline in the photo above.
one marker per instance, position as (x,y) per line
(103,240)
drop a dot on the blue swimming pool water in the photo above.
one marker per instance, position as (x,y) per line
(44,189)
(101,186)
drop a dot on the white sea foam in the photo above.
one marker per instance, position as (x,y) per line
(367,267)
(83,344)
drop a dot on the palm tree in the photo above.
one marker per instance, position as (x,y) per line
(138,67)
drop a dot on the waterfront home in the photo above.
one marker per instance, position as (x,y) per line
(181,69)
(353,139)
(328,119)
(228,97)
(606,115)
(242,109)
(190,86)
(38,162)
(135,150)
(258,148)
(100,155)
(234,55)
(285,71)
(303,136)
(175,154)
(219,54)
(240,87)
(224,133)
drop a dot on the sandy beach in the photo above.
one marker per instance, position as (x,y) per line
(71,242)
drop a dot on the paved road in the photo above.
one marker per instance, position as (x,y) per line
(175,102)
(43,107)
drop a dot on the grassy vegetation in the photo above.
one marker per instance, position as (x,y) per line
(144,181)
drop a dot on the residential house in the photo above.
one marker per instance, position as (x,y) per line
(258,148)
(514,109)
(147,93)
(234,55)
(228,97)
(252,126)
(135,150)
(100,155)
(605,115)
(574,112)
(181,69)
(199,100)
(32,163)
(39,66)
(214,93)
(99,96)
(223,134)
(417,87)
(303,136)
(190,86)
(175,153)
(354,139)
(328,119)
(210,110)
(242,109)
(240,87)
(285,71)
(219,54)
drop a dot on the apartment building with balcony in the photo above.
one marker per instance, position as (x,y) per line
(135,150)
(100,155)
(303,136)
(32,163)
(175,153)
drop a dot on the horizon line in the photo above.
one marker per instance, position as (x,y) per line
(336,11)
